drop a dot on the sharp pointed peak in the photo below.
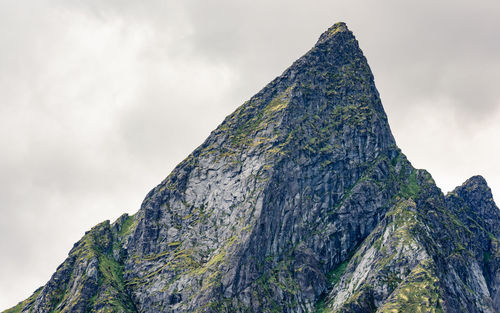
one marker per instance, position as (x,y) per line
(332,32)
(476,182)
(339,26)
(476,186)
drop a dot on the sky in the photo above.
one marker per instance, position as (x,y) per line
(99,100)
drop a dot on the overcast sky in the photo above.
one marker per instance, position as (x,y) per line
(99,100)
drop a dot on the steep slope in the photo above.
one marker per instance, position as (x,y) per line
(430,253)
(299,201)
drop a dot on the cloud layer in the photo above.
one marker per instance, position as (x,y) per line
(99,100)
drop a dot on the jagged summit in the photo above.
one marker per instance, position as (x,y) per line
(474,183)
(300,201)
(333,30)
(334,69)
(473,203)
(476,191)
(475,188)
(476,179)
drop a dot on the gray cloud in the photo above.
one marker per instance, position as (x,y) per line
(101,99)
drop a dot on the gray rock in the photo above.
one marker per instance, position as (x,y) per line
(300,201)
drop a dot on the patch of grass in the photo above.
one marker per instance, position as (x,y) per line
(411,188)
(127,226)
(419,293)
(334,275)
(321,307)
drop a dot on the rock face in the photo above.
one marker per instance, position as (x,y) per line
(300,201)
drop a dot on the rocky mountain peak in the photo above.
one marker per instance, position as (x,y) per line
(300,201)
(473,200)
(476,185)
(336,28)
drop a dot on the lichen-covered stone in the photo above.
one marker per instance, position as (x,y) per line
(300,201)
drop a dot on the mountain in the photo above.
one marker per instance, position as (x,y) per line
(300,201)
